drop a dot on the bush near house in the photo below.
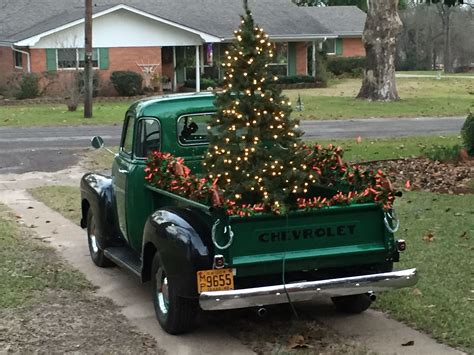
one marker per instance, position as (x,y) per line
(346,66)
(127,83)
(467,134)
(29,87)
(81,82)
(205,83)
(295,79)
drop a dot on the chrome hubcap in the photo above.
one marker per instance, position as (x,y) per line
(92,237)
(94,246)
(162,292)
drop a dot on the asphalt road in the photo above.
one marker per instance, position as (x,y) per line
(25,149)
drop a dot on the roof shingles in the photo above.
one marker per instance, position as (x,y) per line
(21,19)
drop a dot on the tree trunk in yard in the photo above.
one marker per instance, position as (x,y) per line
(444,12)
(381,29)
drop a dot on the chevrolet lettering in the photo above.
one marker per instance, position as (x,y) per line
(319,232)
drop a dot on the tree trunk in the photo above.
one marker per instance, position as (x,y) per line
(381,29)
(448,63)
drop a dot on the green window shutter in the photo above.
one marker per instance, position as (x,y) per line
(338,46)
(51,64)
(103,57)
(291,58)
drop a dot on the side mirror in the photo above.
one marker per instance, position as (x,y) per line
(97,142)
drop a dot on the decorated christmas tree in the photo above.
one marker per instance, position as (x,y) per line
(256,161)
(254,151)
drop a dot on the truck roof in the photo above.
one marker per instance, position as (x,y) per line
(173,105)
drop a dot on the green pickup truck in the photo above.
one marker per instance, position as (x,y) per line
(198,257)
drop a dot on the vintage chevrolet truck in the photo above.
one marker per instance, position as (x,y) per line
(198,257)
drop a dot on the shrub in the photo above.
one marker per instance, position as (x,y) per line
(439,152)
(127,83)
(29,87)
(467,134)
(347,66)
(205,83)
(81,83)
(321,67)
(295,79)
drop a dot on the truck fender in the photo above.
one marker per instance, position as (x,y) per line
(182,240)
(97,194)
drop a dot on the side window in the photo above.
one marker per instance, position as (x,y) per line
(192,129)
(148,137)
(128,138)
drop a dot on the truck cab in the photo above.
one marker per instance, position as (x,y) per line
(198,257)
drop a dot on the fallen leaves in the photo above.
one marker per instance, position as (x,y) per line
(428,175)
(428,237)
(298,342)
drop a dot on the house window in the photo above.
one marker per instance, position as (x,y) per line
(210,70)
(18,59)
(330,46)
(279,63)
(74,58)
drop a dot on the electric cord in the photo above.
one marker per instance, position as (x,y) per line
(283,277)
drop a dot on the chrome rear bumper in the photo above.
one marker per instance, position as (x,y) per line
(305,291)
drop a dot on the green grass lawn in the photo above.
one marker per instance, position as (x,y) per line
(434,73)
(389,148)
(420,97)
(28,267)
(54,115)
(443,301)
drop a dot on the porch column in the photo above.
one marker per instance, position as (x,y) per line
(198,70)
(313,60)
(202,59)
(175,78)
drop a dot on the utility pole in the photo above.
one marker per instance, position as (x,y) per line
(88,61)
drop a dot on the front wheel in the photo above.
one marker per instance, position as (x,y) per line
(354,304)
(95,242)
(175,314)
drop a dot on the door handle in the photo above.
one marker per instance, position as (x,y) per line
(123,171)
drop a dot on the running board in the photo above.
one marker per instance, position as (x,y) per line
(125,257)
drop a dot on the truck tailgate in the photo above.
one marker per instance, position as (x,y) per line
(336,236)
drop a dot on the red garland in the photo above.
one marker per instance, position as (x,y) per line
(169,173)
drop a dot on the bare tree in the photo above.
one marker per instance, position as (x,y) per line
(381,29)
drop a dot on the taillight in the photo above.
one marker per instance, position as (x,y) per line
(219,262)
(401,245)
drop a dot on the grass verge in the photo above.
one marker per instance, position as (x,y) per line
(58,115)
(419,97)
(389,148)
(28,267)
(63,199)
(439,230)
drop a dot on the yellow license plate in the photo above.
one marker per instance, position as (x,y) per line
(215,280)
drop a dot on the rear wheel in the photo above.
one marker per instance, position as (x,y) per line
(96,242)
(352,304)
(175,314)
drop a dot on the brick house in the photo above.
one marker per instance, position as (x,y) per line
(179,39)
